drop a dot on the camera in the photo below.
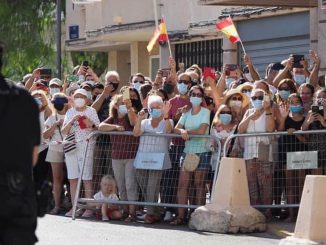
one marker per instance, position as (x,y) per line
(318,109)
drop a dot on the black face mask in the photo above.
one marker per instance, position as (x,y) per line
(136,104)
(168,88)
(59,107)
(115,86)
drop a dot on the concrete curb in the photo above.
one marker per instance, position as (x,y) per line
(278,231)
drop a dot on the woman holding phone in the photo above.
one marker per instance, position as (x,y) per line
(81,120)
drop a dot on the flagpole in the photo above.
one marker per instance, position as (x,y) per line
(244,51)
(155,13)
(168,39)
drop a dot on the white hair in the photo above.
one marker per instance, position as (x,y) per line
(112,73)
(154,98)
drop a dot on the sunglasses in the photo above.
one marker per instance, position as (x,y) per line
(197,95)
(139,81)
(184,81)
(225,112)
(236,98)
(285,89)
(246,91)
(261,97)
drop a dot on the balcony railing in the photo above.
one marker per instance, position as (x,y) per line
(279,3)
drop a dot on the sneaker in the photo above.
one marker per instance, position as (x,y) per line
(141,217)
(105,218)
(88,213)
(168,216)
(78,213)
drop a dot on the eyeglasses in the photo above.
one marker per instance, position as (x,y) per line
(236,98)
(197,95)
(184,81)
(246,91)
(225,112)
(139,81)
(261,97)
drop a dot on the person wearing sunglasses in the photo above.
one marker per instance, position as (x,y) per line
(193,122)
(238,102)
(257,149)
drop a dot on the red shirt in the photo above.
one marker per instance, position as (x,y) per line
(123,146)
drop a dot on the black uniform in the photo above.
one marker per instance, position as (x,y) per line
(19,134)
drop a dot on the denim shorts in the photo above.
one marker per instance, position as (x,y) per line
(204,160)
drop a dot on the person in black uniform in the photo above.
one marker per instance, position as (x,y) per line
(20,136)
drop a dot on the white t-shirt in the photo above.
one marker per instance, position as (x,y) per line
(81,134)
(99,196)
(155,144)
(56,135)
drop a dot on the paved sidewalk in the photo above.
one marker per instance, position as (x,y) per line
(281,228)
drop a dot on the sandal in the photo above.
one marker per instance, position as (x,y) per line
(131,218)
(150,219)
(55,211)
(177,221)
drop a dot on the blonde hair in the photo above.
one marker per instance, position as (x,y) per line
(113,112)
(44,98)
(112,182)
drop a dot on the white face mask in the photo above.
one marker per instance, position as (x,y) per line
(235,103)
(89,95)
(54,91)
(79,102)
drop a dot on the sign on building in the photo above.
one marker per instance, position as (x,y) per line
(323,4)
(73,32)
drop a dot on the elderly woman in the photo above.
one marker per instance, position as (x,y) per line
(80,120)
(149,175)
(256,149)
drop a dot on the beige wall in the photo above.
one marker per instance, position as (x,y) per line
(75,16)
(143,59)
(123,62)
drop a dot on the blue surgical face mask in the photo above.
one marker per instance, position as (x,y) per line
(229,81)
(299,79)
(296,108)
(137,86)
(123,109)
(258,104)
(195,101)
(284,94)
(182,88)
(225,118)
(155,113)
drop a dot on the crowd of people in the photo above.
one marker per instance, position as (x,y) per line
(188,103)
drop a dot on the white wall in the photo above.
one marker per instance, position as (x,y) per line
(75,15)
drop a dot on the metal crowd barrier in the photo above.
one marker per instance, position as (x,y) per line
(112,146)
(277,164)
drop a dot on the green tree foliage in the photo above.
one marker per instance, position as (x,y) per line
(97,60)
(26,29)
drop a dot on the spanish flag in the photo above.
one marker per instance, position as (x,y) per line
(228,28)
(160,34)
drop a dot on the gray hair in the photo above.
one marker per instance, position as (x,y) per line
(112,73)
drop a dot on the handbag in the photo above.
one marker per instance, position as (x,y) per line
(191,162)
(70,144)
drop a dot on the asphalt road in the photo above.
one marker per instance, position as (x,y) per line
(58,230)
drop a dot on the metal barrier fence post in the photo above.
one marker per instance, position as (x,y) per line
(295,159)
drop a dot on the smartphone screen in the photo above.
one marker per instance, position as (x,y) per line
(297,58)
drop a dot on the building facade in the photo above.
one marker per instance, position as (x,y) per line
(123,29)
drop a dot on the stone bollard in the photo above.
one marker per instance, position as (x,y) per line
(310,227)
(230,210)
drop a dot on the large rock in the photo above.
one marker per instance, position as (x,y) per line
(231,220)
(230,210)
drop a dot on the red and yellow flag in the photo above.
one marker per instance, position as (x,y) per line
(228,28)
(160,34)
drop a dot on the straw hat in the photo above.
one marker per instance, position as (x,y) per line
(231,92)
(245,85)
